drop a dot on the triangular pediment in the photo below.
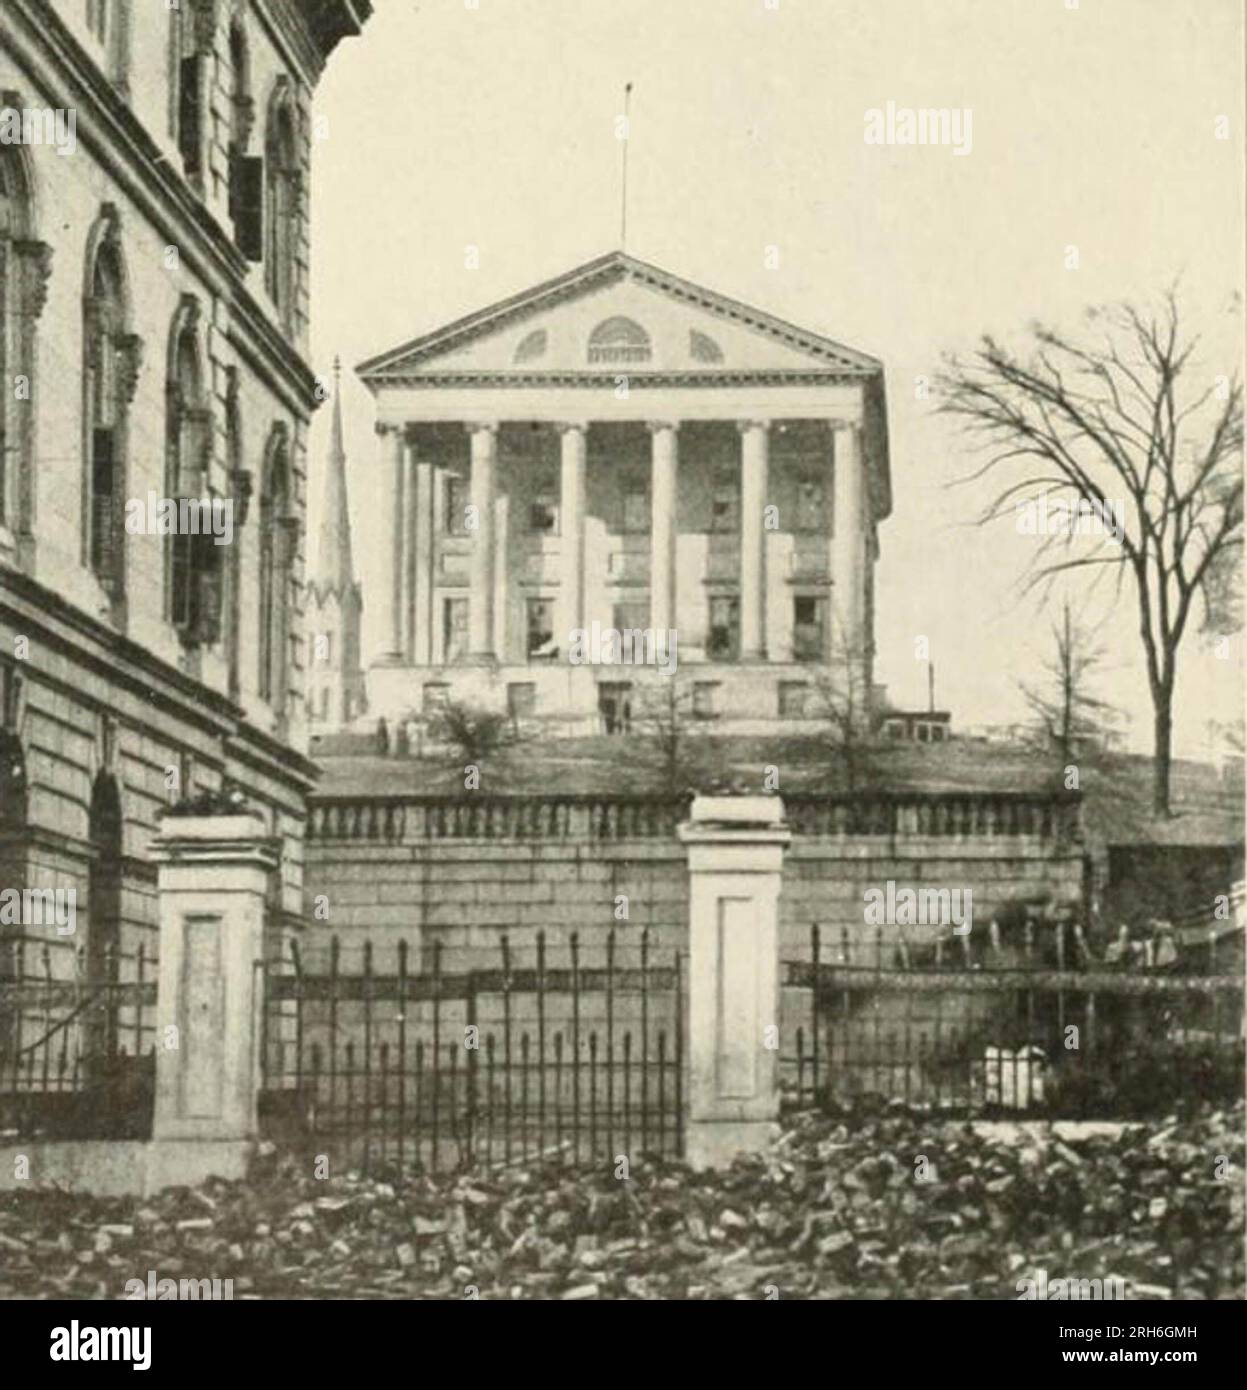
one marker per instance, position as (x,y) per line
(617,314)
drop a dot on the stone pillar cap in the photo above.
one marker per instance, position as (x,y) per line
(737,812)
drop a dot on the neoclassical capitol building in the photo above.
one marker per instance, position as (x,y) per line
(621,447)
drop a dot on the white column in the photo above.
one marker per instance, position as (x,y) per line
(422,652)
(848,549)
(389,480)
(398,546)
(664,460)
(410,560)
(481,565)
(754,452)
(735,861)
(571,531)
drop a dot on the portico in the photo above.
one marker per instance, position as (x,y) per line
(590,452)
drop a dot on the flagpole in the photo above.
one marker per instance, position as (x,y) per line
(623,208)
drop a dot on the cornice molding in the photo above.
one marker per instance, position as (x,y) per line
(124,663)
(492,380)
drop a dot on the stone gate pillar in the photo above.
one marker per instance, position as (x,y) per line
(735,859)
(213,873)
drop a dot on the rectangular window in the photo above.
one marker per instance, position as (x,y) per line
(197,575)
(810,516)
(615,707)
(247,204)
(808,629)
(103,521)
(723,639)
(436,693)
(456,492)
(706,699)
(522,699)
(725,509)
(543,515)
(454,629)
(792,699)
(636,511)
(541,644)
(631,617)
(189,141)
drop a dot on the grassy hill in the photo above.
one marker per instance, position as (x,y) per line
(1116,789)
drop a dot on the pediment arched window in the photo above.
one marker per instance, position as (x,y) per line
(619,340)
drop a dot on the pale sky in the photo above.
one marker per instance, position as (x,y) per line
(1093,127)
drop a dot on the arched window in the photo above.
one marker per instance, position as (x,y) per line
(277,535)
(240,490)
(109,22)
(109,370)
(193,559)
(246,174)
(189,24)
(619,339)
(283,193)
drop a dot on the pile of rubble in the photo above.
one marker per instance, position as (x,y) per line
(899,1207)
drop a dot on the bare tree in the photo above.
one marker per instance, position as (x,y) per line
(1072,718)
(1112,419)
(851,751)
(663,746)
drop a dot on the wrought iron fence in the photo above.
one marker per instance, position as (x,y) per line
(1032,1025)
(576,1053)
(77,1058)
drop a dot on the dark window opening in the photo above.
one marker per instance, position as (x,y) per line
(723,640)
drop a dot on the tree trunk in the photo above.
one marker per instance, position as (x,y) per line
(1162,737)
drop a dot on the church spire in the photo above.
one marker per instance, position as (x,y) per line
(335,571)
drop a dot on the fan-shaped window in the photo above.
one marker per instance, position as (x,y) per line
(703,348)
(532,346)
(619,340)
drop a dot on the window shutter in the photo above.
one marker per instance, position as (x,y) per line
(249,205)
(188,116)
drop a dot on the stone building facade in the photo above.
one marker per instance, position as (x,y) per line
(624,448)
(154,350)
